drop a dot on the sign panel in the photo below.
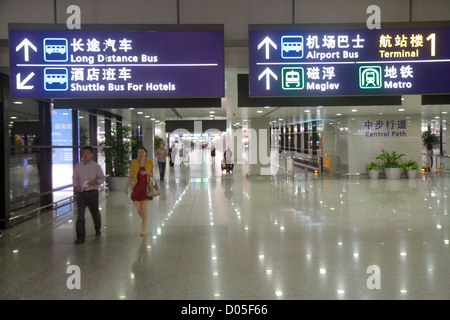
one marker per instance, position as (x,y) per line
(116,64)
(306,62)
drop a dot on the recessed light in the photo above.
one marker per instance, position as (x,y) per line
(354,110)
(139,112)
(153,119)
(259,111)
(401,109)
(147,116)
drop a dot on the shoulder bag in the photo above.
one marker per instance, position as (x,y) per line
(152,188)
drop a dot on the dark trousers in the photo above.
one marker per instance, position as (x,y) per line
(162,169)
(87,199)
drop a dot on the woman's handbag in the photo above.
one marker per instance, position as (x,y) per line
(152,188)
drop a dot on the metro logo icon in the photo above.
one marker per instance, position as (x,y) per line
(370,77)
(292,47)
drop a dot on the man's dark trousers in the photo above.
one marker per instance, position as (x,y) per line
(87,199)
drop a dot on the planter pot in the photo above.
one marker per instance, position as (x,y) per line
(373,174)
(411,174)
(117,183)
(392,173)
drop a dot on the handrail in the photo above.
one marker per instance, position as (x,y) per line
(71,200)
(13,219)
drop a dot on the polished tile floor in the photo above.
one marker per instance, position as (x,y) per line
(214,236)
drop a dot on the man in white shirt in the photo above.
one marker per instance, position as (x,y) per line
(87,177)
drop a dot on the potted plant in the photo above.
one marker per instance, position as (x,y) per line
(118,149)
(373,170)
(392,165)
(411,169)
(430,140)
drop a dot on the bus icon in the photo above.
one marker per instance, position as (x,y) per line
(56,50)
(292,78)
(56,79)
(370,77)
(292,47)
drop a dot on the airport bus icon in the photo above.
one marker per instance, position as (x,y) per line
(292,47)
(56,50)
(292,78)
(56,79)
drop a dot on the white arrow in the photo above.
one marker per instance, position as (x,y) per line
(266,42)
(267,73)
(21,84)
(26,44)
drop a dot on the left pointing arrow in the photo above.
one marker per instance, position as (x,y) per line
(21,84)
(26,44)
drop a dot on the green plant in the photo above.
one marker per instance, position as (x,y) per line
(411,165)
(135,144)
(373,166)
(118,149)
(430,139)
(158,141)
(391,160)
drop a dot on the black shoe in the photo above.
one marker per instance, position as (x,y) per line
(98,233)
(79,240)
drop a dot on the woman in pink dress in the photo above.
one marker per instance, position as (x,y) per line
(140,173)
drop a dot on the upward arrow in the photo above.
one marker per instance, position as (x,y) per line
(266,42)
(267,73)
(26,44)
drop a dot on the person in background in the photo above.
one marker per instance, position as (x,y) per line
(161,155)
(87,177)
(140,173)
(171,160)
(213,155)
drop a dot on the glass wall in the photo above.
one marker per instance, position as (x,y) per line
(24,164)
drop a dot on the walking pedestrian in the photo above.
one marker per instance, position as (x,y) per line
(161,155)
(140,173)
(87,177)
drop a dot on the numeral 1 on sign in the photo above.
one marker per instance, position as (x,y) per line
(432,38)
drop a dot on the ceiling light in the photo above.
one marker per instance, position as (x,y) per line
(139,112)
(212,112)
(13,117)
(147,116)
(280,119)
(354,110)
(401,109)
(338,114)
(259,111)
(307,110)
(267,107)
(153,119)
(18,102)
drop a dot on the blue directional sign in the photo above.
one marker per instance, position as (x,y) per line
(115,64)
(297,60)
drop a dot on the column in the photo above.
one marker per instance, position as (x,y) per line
(259,147)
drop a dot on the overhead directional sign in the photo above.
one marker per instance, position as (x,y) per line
(114,64)
(296,60)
